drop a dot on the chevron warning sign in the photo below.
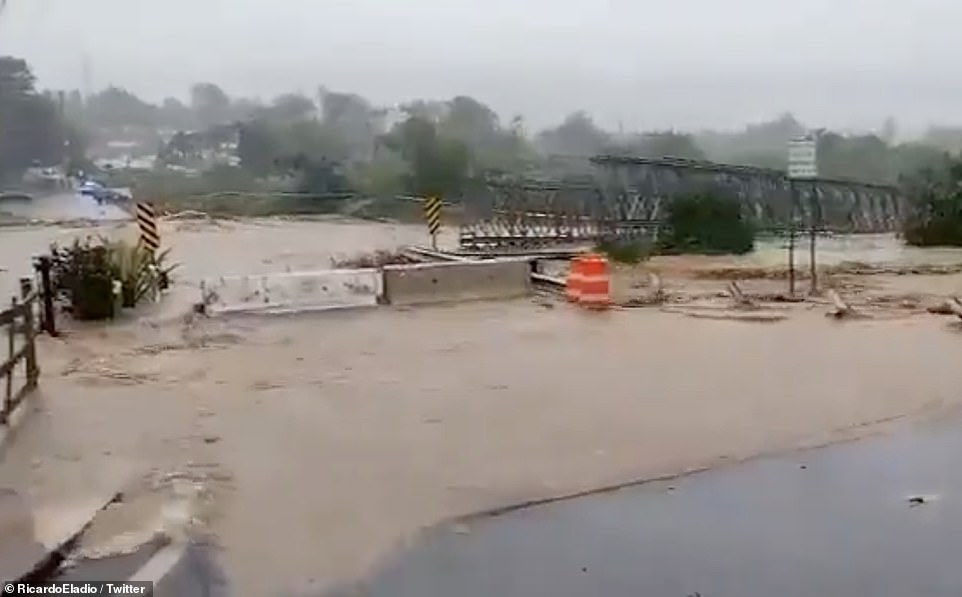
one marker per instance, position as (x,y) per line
(432,214)
(147,222)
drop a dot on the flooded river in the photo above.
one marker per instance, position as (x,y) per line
(227,247)
(325,442)
(863,248)
(62,206)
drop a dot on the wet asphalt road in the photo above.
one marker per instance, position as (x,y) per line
(178,569)
(196,572)
(835,521)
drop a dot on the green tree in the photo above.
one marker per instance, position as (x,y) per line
(470,120)
(258,147)
(706,224)
(384,176)
(245,108)
(936,194)
(211,105)
(946,138)
(291,108)
(352,119)
(763,144)
(31,127)
(117,107)
(437,165)
(865,158)
(174,114)
(578,135)
(910,159)
(430,110)
(74,106)
(662,144)
(491,146)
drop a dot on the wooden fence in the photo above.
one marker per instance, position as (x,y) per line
(21,333)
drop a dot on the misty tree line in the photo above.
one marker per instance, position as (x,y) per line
(339,141)
(438,146)
(32,128)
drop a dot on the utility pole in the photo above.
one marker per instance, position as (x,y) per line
(816,209)
(65,141)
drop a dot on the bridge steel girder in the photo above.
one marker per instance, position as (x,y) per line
(628,198)
(640,188)
(527,213)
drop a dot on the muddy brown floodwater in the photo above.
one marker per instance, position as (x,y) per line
(323,442)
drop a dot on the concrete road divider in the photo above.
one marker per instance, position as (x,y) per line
(293,291)
(427,283)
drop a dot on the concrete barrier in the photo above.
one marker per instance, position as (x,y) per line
(294,291)
(427,283)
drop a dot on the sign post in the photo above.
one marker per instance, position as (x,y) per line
(432,215)
(147,223)
(811,241)
(150,239)
(802,165)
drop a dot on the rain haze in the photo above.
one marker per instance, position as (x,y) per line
(845,64)
(387,297)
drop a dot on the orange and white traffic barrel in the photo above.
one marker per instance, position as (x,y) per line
(573,280)
(595,283)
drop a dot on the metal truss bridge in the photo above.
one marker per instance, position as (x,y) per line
(627,197)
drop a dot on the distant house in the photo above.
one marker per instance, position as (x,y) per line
(216,146)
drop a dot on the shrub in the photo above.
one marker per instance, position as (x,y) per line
(630,253)
(131,264)
(84,274)
(934,232)
(937,199)
(708,225)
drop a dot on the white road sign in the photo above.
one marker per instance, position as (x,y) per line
(802,162)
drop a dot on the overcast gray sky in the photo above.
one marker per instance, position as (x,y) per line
(645,63)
